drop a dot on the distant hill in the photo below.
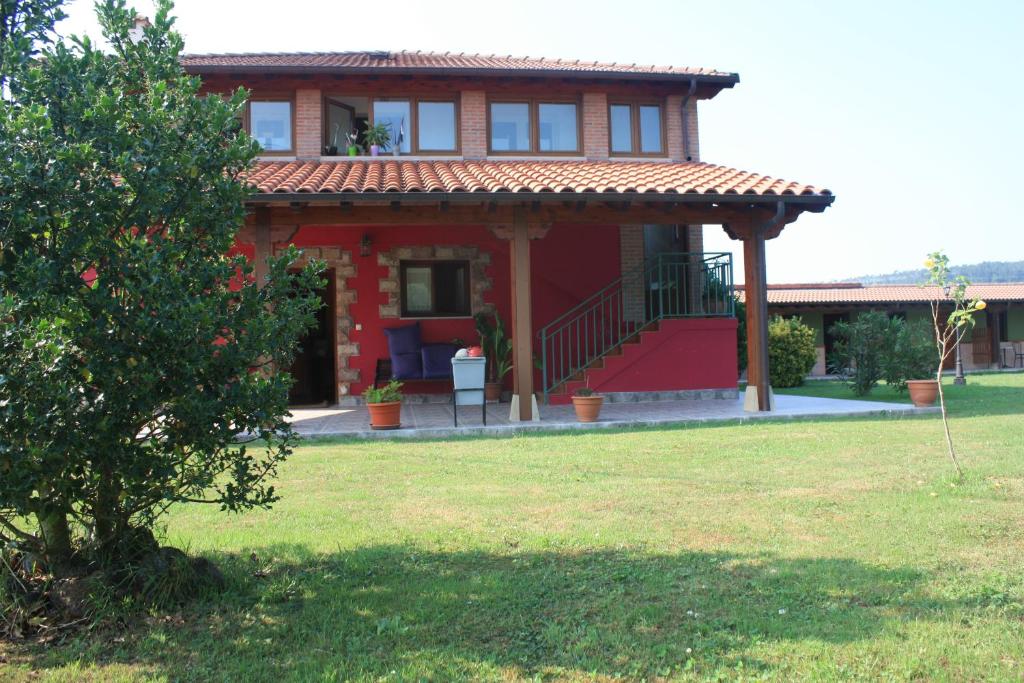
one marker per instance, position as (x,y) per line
(989,271)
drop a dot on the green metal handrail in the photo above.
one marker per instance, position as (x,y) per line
(670,285)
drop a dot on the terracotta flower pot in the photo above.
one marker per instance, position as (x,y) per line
(492,391)
(588,408)
(923,392)
(385,415)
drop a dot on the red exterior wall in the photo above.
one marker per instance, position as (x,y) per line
(691,353)
(568,264)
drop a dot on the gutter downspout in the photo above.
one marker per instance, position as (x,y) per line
(686,123)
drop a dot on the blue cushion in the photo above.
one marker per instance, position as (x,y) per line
(406,366)
(404,339)
(437,360)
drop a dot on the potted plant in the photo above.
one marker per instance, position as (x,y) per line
(377,137)
(911,360)
(385,405)
(587,404)
(352,137)
(497,346)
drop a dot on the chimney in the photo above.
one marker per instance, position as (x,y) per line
(136,32)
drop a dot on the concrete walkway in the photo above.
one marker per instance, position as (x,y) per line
(428,420)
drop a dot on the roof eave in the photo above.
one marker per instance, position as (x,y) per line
(810,202)
(726,80)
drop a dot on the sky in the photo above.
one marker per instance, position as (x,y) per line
(912,113)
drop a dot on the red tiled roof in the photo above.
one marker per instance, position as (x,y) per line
(884,294)
(586,177)
(432,61)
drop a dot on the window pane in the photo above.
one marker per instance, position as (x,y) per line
(271,125)
(396,116)
(510,127)
(621,128)
(436,121)
(419,289)
(450,288)
(557,127)
(650,129)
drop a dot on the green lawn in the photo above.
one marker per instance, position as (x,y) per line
(809,549)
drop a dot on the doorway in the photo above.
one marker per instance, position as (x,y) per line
(313,369)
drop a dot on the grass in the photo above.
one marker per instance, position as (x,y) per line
(804,550)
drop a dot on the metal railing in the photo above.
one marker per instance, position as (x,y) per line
(670,285)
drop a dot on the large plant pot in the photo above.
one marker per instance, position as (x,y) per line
(385,415)
(374,150)
(923,392)
(588,408)
(492,391)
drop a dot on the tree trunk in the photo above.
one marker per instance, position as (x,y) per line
(56,533)
(105,513)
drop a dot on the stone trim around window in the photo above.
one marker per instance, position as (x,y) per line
(391,284)
(340,261)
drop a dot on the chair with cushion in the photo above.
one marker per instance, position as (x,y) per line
(411,359)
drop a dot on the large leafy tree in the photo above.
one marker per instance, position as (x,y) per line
(136,356)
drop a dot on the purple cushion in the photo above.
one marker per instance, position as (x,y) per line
(406,366)
(404,339)
(437,360)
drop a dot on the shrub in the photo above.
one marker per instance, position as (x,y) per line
(791,351)
(912,355)
(862,350)
(389,393)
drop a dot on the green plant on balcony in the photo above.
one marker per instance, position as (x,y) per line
(377,136)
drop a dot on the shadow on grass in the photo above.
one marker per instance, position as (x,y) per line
(443,615)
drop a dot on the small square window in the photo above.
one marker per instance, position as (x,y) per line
(436,126)
(557,127)
(438,289)
(395,115)
(270,124)
(510,127)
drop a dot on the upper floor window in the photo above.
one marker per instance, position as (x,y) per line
(416,125)
(636,129)
(270,124)
(532,126)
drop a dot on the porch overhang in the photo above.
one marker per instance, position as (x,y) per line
(515,197)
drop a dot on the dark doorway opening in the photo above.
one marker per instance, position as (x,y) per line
(827,321)
(313,369)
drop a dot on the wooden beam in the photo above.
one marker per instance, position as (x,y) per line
(756,288)
(522,319)
(261,240)
(486,213)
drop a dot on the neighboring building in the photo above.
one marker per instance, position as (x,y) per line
(569,196)
(997,337)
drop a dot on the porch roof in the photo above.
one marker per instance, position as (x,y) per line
(858,294)
(517,180)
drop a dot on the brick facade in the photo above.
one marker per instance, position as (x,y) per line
(473,116)
(631,254)
(595,126)
(308,124)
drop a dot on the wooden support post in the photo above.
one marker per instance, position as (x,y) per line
(522,321)
(758,396)
(263,245)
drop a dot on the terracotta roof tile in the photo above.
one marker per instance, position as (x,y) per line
(411,61)
(781,295)
(315,177)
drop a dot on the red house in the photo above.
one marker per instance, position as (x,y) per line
(568,196)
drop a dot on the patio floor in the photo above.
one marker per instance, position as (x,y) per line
(435,419)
